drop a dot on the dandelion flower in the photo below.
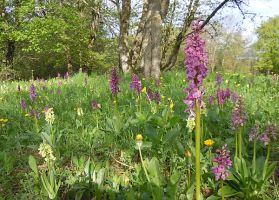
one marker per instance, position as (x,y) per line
(209,142)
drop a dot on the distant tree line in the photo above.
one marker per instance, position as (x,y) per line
(53,36)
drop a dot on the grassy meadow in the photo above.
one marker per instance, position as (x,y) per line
(97,146)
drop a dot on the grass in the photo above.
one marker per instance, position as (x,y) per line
(107,135)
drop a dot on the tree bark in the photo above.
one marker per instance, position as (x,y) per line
(167,33)
(147,46)
(171,60)
(187,22)
(152,37)
(124,32)
(138,45)
(10,53)
(156,22)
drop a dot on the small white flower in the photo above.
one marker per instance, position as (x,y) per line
(80,112)
(49,116)
(46,152)
(191,123)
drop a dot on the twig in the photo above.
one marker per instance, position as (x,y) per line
(121,163)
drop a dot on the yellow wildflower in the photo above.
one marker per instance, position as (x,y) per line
(3,122)
(143,90)
(209,142)
(139,137)
(171,104)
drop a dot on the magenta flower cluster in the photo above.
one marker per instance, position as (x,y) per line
(234,97)
(239,116)
(136,84)
(211,100)
(219,80)
(196,65)
(95,105)
(158,82)
(23,104)
(223,95)
(153,96)
(254,133)
(35,114)
(269,134)
(32,92)
(223,163)
(114,82)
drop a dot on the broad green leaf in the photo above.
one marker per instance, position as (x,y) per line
(228,191)
(33,165)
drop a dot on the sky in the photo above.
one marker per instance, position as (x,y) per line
(264,9)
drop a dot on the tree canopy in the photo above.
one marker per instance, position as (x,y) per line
(268,45)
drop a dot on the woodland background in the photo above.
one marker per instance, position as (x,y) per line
(42,38)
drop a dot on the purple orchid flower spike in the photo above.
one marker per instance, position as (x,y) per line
(114,82)
(136,84)
(223,163)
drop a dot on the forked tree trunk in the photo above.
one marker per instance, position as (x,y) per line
(147,47)
(138,43)
(123,38)
(171,60)
(152,37)
(156,22)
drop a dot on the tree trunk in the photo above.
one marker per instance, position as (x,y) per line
(152,37)
(171,60)
(95,21)
(147,48)
(138,45)
(156,22)
(192,8)
(123,37)
(167,33)
(10,53)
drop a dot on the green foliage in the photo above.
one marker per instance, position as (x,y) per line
(246,184)
(50,37)
(268,45)
(95,152)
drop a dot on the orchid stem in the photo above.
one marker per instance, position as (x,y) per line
(254,157)
(198,145)
(222,190)
(266,161)
(236,145)
(240,144)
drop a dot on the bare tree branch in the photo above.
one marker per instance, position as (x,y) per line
(173,56)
